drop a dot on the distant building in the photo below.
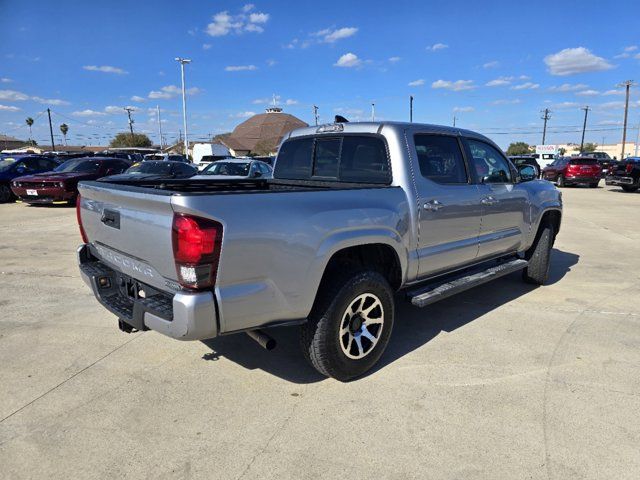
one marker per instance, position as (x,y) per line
(10,143)
(613,149)
(262,133)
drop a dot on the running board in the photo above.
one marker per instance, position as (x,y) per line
(424,296)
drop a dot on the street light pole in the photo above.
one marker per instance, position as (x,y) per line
(183,62)
(628,84)
(373,112)
(410,108)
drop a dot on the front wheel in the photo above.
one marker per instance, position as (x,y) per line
(593,185)
(349,326)
(6,195)
(629,189)
(539,256)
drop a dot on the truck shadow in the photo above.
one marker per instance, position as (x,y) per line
(414,327)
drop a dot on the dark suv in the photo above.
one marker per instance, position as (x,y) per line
(626,175)
(573,171)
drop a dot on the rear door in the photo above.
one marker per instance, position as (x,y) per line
(505,204)
(449,204)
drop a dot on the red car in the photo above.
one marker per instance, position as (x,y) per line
(61,184)
(573,171)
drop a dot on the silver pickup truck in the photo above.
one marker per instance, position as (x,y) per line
(354,213)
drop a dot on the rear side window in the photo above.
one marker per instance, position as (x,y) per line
(349,158)
(440,159)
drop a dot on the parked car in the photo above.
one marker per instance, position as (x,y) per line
(597,155)
(626,175)
(12,166)
(167,157)
(61,184)
(156,170)
(130,157)
(573,171)
(519,160)
(240,168)
(355,212)
(207,160)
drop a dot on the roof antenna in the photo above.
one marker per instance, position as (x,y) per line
(341,119)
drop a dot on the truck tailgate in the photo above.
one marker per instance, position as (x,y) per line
(130,229)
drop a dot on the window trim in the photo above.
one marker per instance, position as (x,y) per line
(478,179)
(463,152)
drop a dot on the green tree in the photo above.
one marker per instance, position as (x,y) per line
(29,122)
(64,128)
(518,148)
(562,151)
(590,147)
(125,139)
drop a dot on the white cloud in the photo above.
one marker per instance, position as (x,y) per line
(492,64)
(88,113)
(348,60)
(224,23)
(136,98)
(568,87)
(5,80)
(9,108)
(524,77)
(588,93)
(571,61)
(614,92)
(456,86)
(206,46)
(565,105)
(240,68)
(243,115)
(171,91)
(13,96)
(513,101)
(463,109)
(290,101)
(417,83)
(526,86)
(105,69)
(631,48)
(265,101)
(50,101)
(394,59)
(331,36)
(499,82)
(271,63)
(437,46)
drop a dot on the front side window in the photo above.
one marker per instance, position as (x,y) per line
(489,163)
(440,159)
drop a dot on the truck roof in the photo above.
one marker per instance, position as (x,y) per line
(376,127)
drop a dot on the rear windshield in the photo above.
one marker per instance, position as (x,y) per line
(81,165)
(151,167)
(584,161)
(345,158)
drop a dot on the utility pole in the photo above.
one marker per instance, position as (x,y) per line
(183,62)
(628,84)
(129,110)
(454,120)
(584,126)
(53,145)
(637,139)
(315,114)
(373,112)
(410,108)
(159,125)
(546,115)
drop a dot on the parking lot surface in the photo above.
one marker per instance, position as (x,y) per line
(504,381)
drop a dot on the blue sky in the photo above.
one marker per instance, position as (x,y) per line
(494,67)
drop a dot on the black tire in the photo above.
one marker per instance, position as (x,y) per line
(6,195)
(539,255)
(560,181)
(320,339)
(629,189)
(593,185)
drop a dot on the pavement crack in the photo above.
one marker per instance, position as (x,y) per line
(68,379)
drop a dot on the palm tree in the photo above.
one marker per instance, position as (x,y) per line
(64,128)
(29,122)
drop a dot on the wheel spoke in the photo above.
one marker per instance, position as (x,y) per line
(359,344)
(367,334)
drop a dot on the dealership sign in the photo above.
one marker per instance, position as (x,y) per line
(552,149)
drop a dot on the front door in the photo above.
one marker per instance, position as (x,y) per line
(449,204)
(504,202)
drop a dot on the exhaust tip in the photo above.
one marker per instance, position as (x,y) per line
(265,341)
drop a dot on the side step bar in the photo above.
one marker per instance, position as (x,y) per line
(434,292)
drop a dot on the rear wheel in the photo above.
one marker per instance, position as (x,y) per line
(560,181)
(349,326)
(627,188)
(593,185)
(6,195)
(539,256)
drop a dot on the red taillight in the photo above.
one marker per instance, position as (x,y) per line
(196,250)
(79,217)
(629,168)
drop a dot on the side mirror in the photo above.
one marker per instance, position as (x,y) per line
(527,173)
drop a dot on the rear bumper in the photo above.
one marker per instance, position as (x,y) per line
(580,179)
(619,180)
(180,315)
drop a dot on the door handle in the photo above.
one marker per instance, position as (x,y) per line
(488,201)
(433,206)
